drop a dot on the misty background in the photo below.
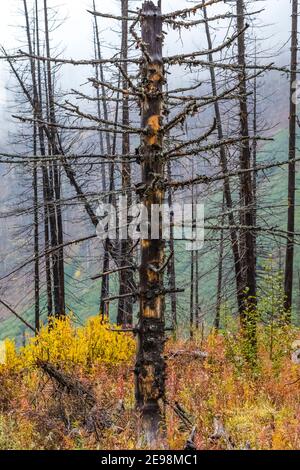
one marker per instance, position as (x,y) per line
(73,38)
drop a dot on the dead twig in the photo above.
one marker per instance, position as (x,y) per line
(220,433)
(191,354)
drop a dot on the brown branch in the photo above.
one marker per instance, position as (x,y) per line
(97,83)
(188,24)
(214,146)
(21,55)
(178,58)
(46,252)
(233,67)
(75,109)
(72,128)
(191,10)
(17,315)
(112,17)
(122,268)
(197,354)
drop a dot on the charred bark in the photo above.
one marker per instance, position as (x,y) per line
(150,363)
(247,250)
(56,223)
(171,264)
(227,187)
(45,178)
(36,239)
(220,273)
(125,307)
(289,256)
(35,179)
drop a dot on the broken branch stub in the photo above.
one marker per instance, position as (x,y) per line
(150,362)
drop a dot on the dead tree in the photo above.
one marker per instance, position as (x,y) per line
(220,273)
(193,265)
(102,100)
(289,256)
(224,166)
(35,180)
(254,151)
(171,264)
(247,217)
(56,228)
(125,307)
(192,305)
(37,87)
(150,363)
(36,239)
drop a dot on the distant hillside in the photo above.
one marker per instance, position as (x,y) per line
(272,192)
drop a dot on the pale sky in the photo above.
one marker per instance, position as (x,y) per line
(75,36)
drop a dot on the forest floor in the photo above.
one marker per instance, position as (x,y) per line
(72,388)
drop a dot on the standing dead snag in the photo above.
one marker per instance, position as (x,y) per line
(125,307)
(150,364)
(227,191)
(248,317)
(289,256)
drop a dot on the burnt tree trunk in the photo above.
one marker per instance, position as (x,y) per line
(247,235)
(224,166)
(220,272)
(56,223)
(171,264)
(45,176)
(107,245)
(36,237)
(254,153)
(192,278)
(104,292)
(192,306)
(197,304)
(289,257)
(150,362)
(97,53)
(298,295)
(125,306)
(35,177)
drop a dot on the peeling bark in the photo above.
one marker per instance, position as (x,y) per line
(150,363)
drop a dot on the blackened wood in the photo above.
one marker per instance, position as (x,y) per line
(35,177)
(125,307)
(247,251)
(56,224)
(150,363)
(171,264)
(289,257)
(220,272)
(227,186)
(45,177)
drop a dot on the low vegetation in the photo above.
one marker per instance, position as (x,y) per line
(72,388)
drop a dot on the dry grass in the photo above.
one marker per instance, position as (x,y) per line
(260,408)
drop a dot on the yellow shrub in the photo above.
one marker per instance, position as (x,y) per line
(66,344)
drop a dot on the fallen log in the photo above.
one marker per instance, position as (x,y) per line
(95,418)
(190,443)
(68,383)
(197,354)
(220,433)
